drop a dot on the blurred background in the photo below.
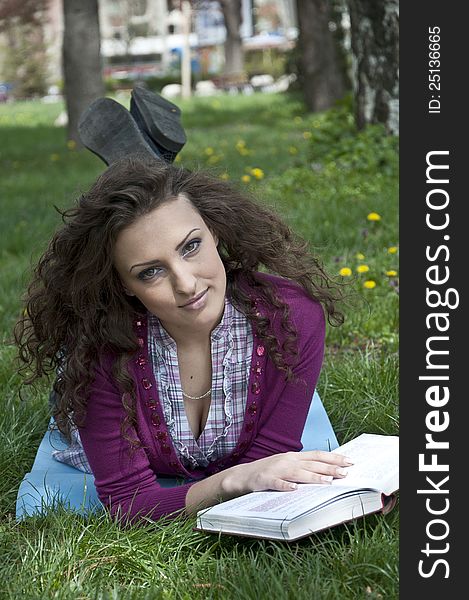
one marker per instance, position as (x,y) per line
(82,49)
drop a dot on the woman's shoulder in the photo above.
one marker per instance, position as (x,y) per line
(288,290)
(304,309)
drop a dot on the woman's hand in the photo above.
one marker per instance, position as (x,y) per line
(282,472)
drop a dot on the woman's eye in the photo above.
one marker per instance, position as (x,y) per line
(149,273)
(191,246)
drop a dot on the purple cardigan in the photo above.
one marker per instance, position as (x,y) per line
(276,412)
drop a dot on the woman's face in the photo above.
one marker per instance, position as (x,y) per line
(168,259)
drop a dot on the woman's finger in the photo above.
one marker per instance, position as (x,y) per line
(324,469)
(326,457)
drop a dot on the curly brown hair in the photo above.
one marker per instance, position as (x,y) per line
(76,307)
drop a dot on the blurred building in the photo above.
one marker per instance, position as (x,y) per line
(142,38)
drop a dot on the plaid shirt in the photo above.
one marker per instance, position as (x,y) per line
(73,454)
(232,346)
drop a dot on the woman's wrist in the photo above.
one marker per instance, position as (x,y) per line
(233,483)
(216,488)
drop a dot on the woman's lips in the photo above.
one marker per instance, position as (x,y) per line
(196,302)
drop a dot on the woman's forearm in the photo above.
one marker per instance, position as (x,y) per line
(216,488)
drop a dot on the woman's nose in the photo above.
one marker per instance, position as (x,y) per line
(184,281)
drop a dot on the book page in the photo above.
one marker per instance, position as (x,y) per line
(376,462)
(277,505)
(376,467)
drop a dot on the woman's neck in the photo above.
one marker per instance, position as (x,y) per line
(192,338)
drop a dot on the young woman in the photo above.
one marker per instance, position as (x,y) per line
(176,355)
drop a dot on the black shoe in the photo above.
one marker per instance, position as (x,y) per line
(159,121)
(109,131)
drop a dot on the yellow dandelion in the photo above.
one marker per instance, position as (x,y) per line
(392,249)
(224,176)
(178,158)
(360,256)
(307,135)
(71,144)
(298,120)
(212,160)
(363,269)
(55,157)
(241,147)
(209,151)
(293,150)
(370,284)
(391,273)
(373,216)
(246,178)
(345,272)
(258,173)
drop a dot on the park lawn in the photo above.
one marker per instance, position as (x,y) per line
(338,189)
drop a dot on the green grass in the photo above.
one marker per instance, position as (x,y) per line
(325,179)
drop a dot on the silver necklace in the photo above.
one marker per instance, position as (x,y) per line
(197,397)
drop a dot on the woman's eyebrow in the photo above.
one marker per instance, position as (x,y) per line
(155,261)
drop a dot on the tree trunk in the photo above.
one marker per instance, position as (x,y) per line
(83,81)
(186,51)
(375,48)
(234,55)
(323,79)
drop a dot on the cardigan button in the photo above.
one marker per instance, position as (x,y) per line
(161,435)
(260,350)
(256,388)
(146,383)
(152,404)
(253,408)
(140,341)
(141,361)
(155,419)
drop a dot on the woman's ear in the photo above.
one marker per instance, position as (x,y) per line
(127,291)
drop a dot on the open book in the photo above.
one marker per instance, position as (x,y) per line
(369,487)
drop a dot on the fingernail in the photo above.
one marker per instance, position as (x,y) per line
(293,486)
(347,461)
(326,478)
(341,471)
